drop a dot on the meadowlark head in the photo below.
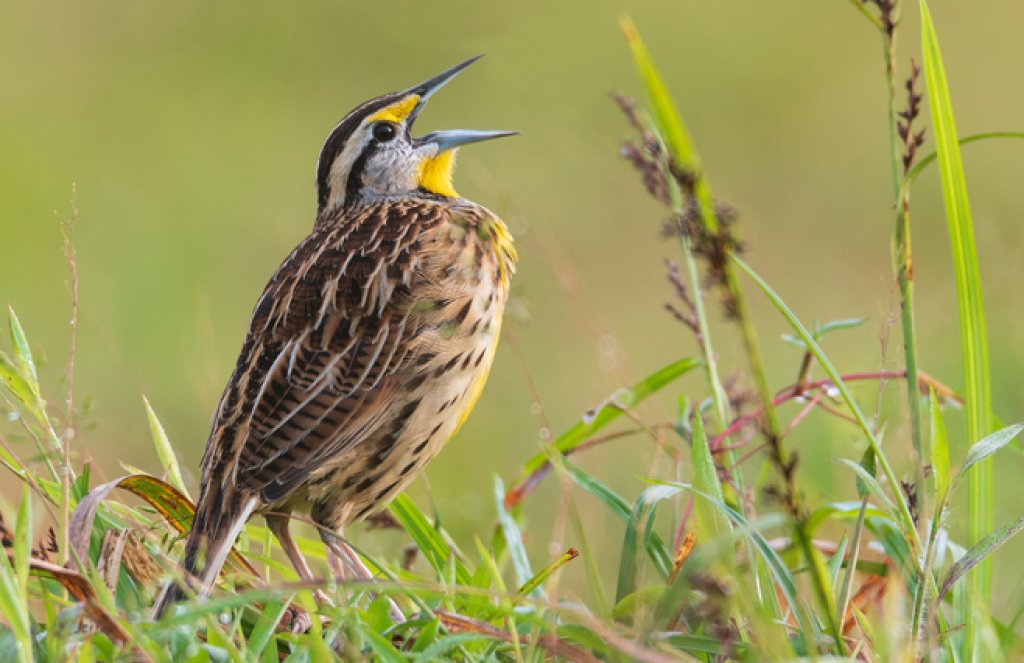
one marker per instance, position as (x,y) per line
(372,153)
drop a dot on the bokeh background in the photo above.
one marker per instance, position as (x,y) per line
(190,132)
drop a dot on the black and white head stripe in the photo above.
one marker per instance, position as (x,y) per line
(336,142)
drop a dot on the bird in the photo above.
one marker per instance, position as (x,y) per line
(367,349)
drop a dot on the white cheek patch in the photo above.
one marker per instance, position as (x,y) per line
(337,179)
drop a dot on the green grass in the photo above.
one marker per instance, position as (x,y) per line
(719,559)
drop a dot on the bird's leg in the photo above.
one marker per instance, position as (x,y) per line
(343,560)
(278,526)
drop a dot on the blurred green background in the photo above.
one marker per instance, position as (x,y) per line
(191,132)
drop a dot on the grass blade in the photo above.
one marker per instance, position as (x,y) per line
(427,538)
(971,309)
(668,120)
(921,165)
(780,572)
(639,529)
(164,449)
(710,521)
(986,447)
(608,412)
(905,517)
(537,580)
(870,483)
(24,353)
(655,545)
(939,448)
(14,582)
(513,538)
(977,554)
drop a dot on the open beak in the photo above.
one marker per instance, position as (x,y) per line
(446,140)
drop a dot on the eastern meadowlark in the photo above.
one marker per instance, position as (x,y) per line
(368,348)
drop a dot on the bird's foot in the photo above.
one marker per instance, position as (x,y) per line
(296,620)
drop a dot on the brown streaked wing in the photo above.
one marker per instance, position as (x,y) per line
(334,326)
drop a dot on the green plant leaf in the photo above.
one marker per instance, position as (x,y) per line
(541,576)
(18,389)
(513,537)
(14,591)
(780,572)
(164,450)
(978,553)
(929,159)
(22,351)
(711,522)
(429,541)
(905,517)
(971,312)
(986,447)
(262,633)
(175,508)
(611,410)
(838,510)
(819,331)
(669,122)
(938,447)
(870,483)
(637,538)
(655,546)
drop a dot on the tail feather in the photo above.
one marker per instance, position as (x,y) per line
(216,525)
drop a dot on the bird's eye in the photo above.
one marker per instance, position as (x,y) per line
(384,131)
